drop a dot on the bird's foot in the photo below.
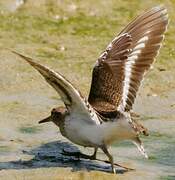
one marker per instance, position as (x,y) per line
(119,165)
(69,153)
(92,157)
(77,155)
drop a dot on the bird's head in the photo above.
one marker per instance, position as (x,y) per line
(57,116)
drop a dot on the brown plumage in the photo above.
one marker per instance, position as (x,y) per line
(133,50)
(108,76)
(107,115)
(58,118)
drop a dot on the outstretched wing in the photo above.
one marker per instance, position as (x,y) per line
(108,75)
(116,79)
(69,94)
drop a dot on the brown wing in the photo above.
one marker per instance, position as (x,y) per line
(108,75)
(68,93)
(147,32)
(115,85)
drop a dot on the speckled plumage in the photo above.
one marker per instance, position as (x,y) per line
(106,117)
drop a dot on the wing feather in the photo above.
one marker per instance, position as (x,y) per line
(145,48)
(114,86)
(69,94)
(108,75)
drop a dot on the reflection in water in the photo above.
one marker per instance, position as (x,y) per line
(50,155)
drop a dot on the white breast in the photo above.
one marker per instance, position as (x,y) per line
(77,128)
(86,134)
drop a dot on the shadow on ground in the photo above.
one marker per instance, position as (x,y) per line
(50,155)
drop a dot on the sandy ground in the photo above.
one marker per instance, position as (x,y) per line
(32,151)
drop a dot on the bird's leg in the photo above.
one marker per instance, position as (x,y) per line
(93,156)
(105,150)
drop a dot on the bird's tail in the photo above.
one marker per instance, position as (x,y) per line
(140,129)
(140,147)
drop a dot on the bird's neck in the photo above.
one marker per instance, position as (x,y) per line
(61,124)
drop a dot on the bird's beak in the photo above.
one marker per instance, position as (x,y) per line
(45,120)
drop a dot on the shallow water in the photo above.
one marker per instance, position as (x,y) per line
(27,146)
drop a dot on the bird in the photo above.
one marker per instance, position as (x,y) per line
(106,115)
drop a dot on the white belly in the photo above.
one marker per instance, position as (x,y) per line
(90,135)
(117,131)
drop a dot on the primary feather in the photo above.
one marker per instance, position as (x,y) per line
(120,69)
